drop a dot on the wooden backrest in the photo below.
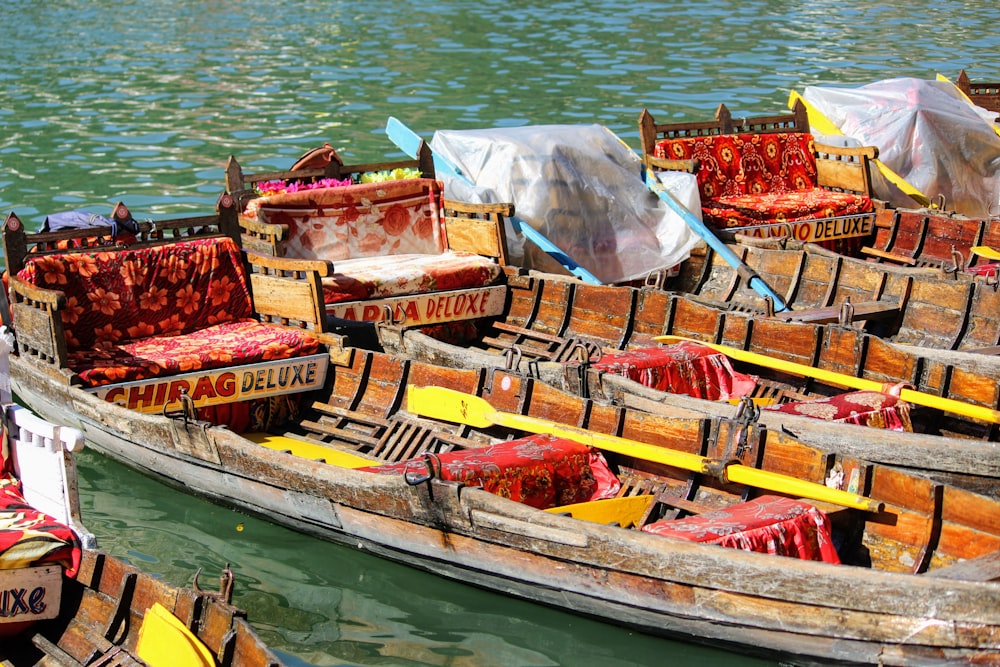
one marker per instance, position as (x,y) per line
(982,94)
(18,242)
(477,228)
(650,132)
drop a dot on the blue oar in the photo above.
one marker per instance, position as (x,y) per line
(749,275)
(409,142)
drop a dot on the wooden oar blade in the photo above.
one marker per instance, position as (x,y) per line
(450,405)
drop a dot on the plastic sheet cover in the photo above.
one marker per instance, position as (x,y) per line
(581,187)
(928,133)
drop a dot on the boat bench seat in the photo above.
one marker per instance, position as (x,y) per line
(399,251)
(130,317)
(538,470)
(767,171)
(768,524)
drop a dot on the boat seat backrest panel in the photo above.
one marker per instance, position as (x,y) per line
(122,295)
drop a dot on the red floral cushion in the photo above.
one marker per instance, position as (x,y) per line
(752,179)
(228,344)
(116,296)
(866,408)
(29,537)
(681,368)
(395,275)
(768,524)
(539,470)
(749,210)
(365,220)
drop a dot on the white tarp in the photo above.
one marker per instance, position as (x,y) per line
(581,187)
(928,133)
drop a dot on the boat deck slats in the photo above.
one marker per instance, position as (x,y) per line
(342,435)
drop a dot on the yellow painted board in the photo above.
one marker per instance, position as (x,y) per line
(310,451)
(626,511)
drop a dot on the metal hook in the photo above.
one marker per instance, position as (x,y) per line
(512,355)
(187,410)
(846,316)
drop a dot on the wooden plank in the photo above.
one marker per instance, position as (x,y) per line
(982,568)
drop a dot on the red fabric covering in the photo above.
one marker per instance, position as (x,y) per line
(365,220)
(116,296)
(769,524)
(395,275)
(29,537)
(681,368)
(539,470)
(752,179)
(866,408)
(135,314)
(223,345)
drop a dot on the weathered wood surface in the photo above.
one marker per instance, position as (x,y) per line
(747,601)
(103,610)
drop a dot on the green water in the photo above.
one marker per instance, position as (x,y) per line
(144,101)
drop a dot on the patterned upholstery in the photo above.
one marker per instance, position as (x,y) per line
(29,537)
(385,239)
(681,368)
(753,179)
(157,311)
(364,220)
(865,408)
(396,275)
(539,470)
(768,524)
(161,310)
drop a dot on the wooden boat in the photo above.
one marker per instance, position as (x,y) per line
(388,457)
(64,601)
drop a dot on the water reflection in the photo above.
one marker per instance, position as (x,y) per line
(326,604)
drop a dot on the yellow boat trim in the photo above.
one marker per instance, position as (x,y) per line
(626,511)
(823,125)
(307,450)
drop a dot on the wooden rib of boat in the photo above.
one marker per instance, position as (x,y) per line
(920,307)
(910,589)
(72,604)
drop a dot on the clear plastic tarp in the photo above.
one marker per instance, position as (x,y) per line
(928,133)
(581,187)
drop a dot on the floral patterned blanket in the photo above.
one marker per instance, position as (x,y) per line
(753,179)
(160,310)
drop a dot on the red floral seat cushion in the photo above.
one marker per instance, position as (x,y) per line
(396,275)
(866,408)
(29,537)
(753,179)
(223,345)
(538,470)
(768,524)
(681,368)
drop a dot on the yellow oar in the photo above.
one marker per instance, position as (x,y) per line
(989,253)
(823,125)
(849,381)
(455,406)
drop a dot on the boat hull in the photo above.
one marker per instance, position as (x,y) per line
(800,610)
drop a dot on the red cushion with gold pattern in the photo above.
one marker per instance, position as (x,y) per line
(538,470)
(866,408)
(681,368)
(768,524)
